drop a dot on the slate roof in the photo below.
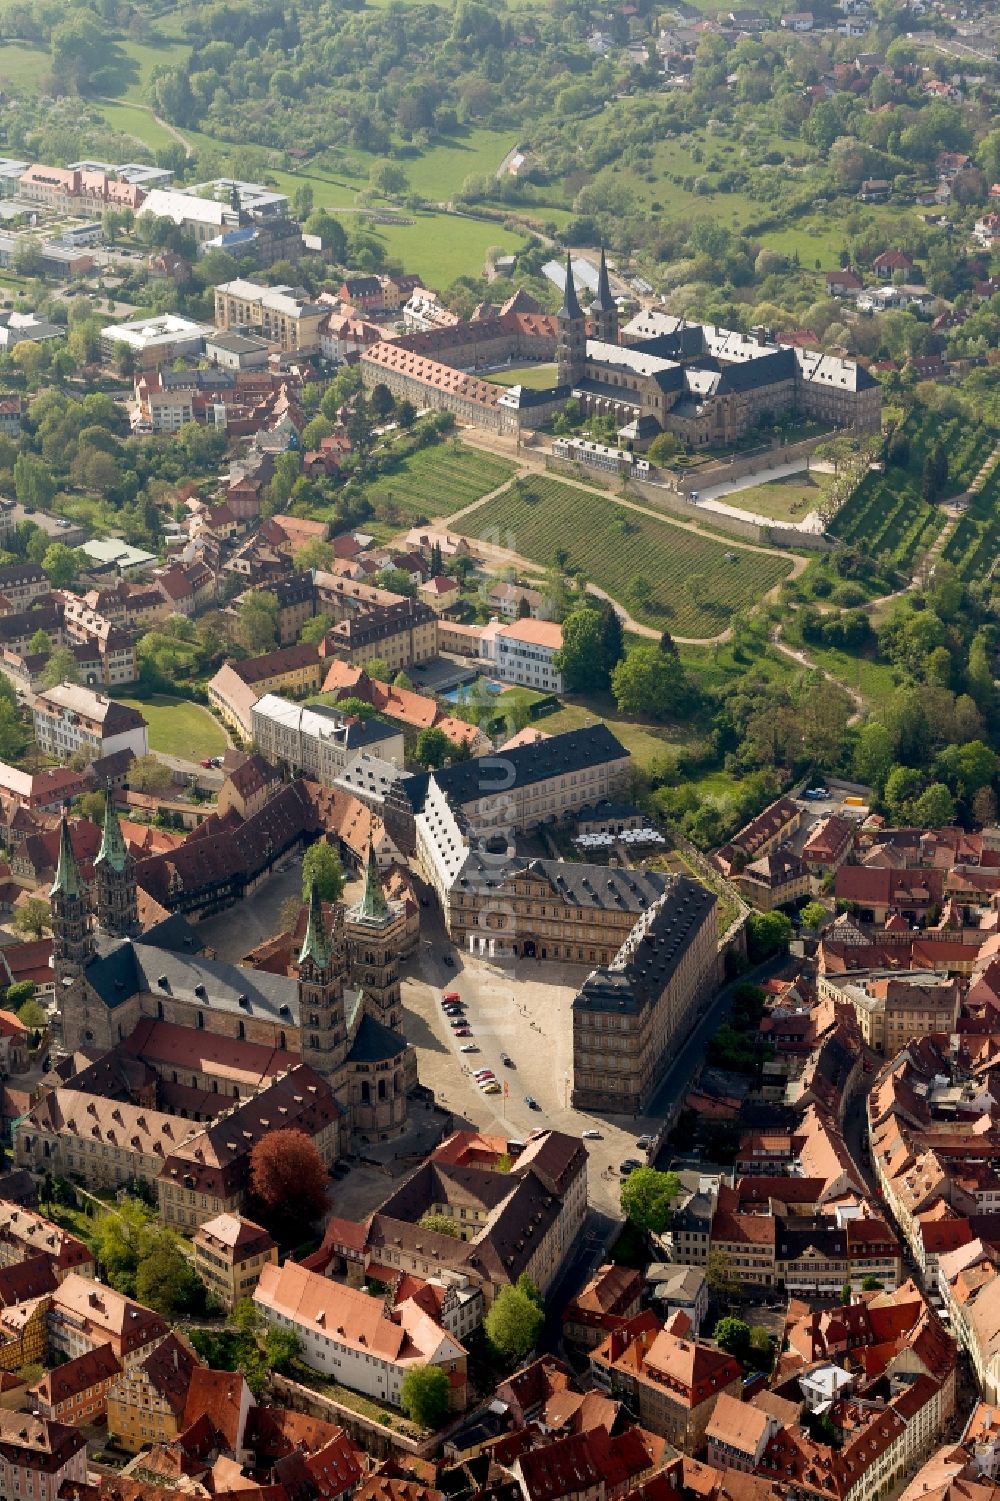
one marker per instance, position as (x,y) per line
(464,781)
(131,968)
(652,952)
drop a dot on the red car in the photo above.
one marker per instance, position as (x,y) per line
(450,995)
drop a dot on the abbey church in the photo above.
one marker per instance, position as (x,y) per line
(335,1006)
(707,385)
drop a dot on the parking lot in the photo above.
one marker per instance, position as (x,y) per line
(522,1008)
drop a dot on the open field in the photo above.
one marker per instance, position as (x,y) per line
(534,377)
(442,247)
(439,173)
(23,67)
(643,740)
(133,120)
(178,727)
(439,480)
(788,499)
(694,587)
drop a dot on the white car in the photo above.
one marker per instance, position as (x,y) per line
(468,1047)
(591,1135)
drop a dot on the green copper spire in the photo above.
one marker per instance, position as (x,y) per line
(67,882)
(113,851)
(373,904)
(315,945)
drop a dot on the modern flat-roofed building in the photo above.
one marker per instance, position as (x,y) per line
(155,340)
(524,652)
(317,741)
(282,315)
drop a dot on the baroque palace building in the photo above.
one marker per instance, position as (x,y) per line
(338,1010)
(708,385)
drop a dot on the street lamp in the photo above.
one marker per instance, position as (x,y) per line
(566,1082)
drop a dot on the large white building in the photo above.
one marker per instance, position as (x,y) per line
(346,1334)
(524,652)
(70,718)
(157,340)
(316,740)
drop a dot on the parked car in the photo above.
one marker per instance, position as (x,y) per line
(468,1047)
(644,1143)
(491,1087)
(450,996)
(457,1021)
(629,1166)
(447,961)
(484,1073)
(591,1135)
(463,1031)
(531,1102)
(507,1061)
(340,1170)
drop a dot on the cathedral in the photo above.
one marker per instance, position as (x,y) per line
(338,1008)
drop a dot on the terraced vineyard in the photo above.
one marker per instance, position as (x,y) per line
(695,583)
(973,549)
(439,480)
(888,515)
(968,446)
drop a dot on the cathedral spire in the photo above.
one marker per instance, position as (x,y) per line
(67,881)
(113,851)
(603,302)
(315,945)
(570,309)
(373,904)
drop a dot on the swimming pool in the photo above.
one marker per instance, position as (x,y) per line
(460,695)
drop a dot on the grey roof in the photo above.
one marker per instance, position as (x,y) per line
(176,934)
(576,883)
(370,775)
(375,1043)
(467,781)
(603,302)
(647,960)
(131,968)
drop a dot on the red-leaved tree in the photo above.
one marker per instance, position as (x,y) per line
(289,1179)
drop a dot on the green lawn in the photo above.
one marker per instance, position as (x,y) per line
(644,741)
(439,480)
(534,377)
(133,120)
(875,681)
(23,67)
(695,582)
(438,173)
(178,727)
(788,499)
(442,247)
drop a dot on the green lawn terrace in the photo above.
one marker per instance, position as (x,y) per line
(695,582)
(532,377)
(178,727)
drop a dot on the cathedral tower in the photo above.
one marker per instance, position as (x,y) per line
(322,1023)
(72,940)
(114,878)
(604,310)
(374,941)
(571,348)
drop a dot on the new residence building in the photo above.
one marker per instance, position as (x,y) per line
(347,1335)
(631,1014)
(70,719)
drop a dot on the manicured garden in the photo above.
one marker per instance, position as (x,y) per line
(533,377)
(178,727)
(790,498)
(668,576)
(439,480)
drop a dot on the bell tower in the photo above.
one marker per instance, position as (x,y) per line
(604,310)
(571,347)
(114,878)
(72,939)
(322,1023)
(374,939)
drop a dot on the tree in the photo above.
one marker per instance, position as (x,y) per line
(664,448)
(513,1322)
(387,179)
(813,916)
(433,747)
(723,1280)
(440,1224)
(40,644)
(289,1178)
(646,1197)
(257,622)
(60,668)
(313,554)
(315,629)
(120,1239)
(768,933)
(165,1279)
(870,1284)
(147,774)
(733,1336)
(33,917)
(935,807)
(19,994)
(282,1347)
(581,658)
(32,1015)
(322,865)
(378,668)
(424,1395)
(649,682)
